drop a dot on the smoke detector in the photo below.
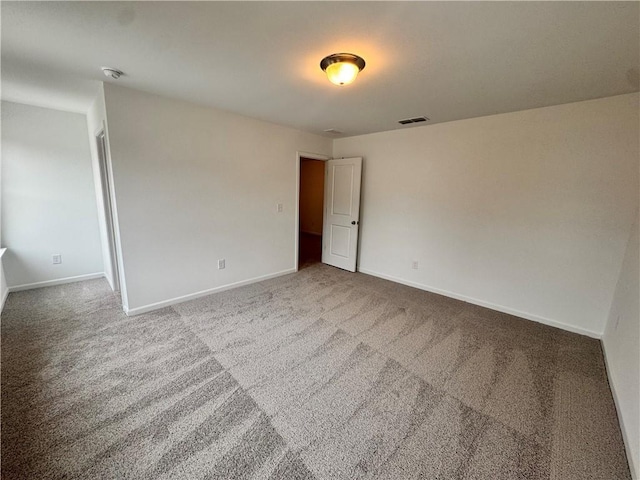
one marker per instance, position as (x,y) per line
(112,72)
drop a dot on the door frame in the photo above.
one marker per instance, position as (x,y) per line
(106,178)
(311,156)
(105,184)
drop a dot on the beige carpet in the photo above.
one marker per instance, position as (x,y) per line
(321,374)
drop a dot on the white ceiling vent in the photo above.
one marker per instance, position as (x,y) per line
(413,120)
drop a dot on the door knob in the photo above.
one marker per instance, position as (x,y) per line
(353,222)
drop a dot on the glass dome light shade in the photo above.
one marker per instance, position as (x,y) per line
(342,73)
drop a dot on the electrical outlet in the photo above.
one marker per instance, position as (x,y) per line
(280,208)
(56,259)
(221,264)
(414,264)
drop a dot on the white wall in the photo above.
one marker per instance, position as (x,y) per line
(194,185)
(525,212)
(621,344)
(48,198)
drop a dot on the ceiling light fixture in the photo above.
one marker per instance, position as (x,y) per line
(342,68)
(112,72)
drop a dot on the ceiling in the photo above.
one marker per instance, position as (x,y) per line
(444,60)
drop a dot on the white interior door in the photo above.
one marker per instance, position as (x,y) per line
(341,213)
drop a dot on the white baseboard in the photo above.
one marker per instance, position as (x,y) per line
(58,281)
(625,437)
(4,299)
(492,306)
(192,296)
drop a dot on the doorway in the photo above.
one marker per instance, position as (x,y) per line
(105,180)
(310,208)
